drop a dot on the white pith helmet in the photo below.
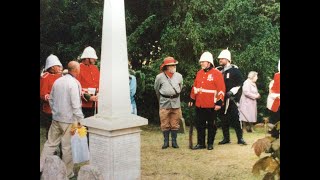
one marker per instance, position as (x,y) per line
(206,56)
(89,52)
(52,60)
(225,54)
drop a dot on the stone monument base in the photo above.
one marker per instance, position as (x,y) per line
(114,144)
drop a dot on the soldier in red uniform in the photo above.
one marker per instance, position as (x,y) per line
(89,80)
(273,100)
(52,72)
(208,95)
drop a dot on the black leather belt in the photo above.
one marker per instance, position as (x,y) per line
(171,97)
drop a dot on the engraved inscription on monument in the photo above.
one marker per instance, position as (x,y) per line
(109,154)
(100,147)
(127,157)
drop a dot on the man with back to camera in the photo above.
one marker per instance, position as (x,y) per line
(65,101)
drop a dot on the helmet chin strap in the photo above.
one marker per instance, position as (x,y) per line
(208,67)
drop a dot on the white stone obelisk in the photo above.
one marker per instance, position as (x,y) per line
(114,133)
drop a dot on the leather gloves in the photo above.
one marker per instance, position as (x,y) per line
(229,94)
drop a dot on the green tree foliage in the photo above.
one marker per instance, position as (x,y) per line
(68,26)
(249,29)
(183,29)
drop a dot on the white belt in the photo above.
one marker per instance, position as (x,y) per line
(200,90)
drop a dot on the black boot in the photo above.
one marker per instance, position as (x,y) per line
(210,146)
(239,135)
(166,139)
(174,138)
(241,141)
(212,130)
(226,135)
(198,146)
(224,141)
(201,139)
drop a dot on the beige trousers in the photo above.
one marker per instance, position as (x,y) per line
(58,132)
(170,118)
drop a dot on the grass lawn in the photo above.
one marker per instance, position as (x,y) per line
(225,162)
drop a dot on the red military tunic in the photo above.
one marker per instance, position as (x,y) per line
(46,83)
(208,88)
(276,85)
(275,89)
(89,78)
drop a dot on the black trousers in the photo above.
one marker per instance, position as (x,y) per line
(231,118)
(275,116)
(47,120)
(88,112)
(206,118)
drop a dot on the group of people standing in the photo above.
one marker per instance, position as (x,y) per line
(216,92)
(65,102)
(67,98)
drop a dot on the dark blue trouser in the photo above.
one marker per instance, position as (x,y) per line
(231,118)
(206,118)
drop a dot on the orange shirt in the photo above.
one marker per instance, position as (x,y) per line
(89,78)
(46,83)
